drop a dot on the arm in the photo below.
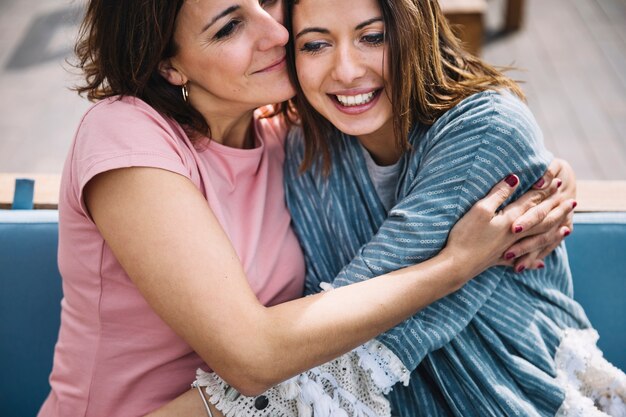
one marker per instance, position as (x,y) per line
(163,233)
(344,372)
(453,165)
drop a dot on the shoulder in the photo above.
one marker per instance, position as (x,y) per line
(126,132)
(118,110)
(129,117)
(490,109)
(125,124)
(488,117)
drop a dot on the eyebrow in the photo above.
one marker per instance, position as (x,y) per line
(219,16)
(309,30)
(368,22)
(326,31)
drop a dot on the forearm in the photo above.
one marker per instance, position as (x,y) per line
(298,335)
(188,404)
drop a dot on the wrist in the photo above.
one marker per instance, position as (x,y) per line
(458,269)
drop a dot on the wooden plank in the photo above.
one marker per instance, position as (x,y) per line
(562,129)
(46,189)
(578,74)
(514,15)
(591,195)
(463,6)
(466,20)
(469,28)
(601,196)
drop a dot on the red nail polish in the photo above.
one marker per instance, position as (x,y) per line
(541,266)
(509,256)
(559,183)
(512,180)
(518,229)
(521,269)
(540,183)
(574,204)
(566,233)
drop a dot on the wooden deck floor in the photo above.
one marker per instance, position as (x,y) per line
(572,56)
(573,53)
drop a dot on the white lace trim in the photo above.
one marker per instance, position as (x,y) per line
(385,368)
(339,388)
(352,385)
(593,386)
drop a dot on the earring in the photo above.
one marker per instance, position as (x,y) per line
(185,92)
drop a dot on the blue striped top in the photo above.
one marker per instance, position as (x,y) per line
(487,349)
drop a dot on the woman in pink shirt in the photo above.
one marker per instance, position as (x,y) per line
(175,244)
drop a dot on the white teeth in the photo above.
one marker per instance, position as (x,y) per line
(356,100)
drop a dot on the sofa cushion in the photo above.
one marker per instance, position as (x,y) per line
(30,295)
(597,257)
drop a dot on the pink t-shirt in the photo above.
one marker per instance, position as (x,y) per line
(115,356)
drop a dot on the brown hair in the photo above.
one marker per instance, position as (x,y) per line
(425,58)
(120,46)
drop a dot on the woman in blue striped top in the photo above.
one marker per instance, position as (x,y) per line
(403,132)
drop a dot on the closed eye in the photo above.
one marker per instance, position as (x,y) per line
(228,29)
(313,47)
(374,39)
(267,3)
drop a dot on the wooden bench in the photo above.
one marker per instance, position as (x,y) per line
(593,196)
(513,15)
(467,19)
(46,190)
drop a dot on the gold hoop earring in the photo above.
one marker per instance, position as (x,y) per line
(185,92)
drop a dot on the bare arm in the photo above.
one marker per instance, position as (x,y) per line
(167,239)
(188,404)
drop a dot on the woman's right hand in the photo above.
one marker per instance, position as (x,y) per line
(480,238)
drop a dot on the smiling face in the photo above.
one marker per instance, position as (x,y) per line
(231,54)
(339,50)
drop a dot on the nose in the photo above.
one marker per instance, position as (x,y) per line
(272,33)
(348,65)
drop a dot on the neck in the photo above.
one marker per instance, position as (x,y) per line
(381,145)
(231,128)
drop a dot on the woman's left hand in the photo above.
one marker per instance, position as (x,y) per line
(549,221)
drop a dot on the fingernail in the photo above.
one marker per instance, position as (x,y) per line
(512,180)
(518,229)
(521,269)
(574,204)
(540,183)
(509,256)
(559,183)
(566,233)
(541,266)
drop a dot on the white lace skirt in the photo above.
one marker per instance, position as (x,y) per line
(593,386)
(355,384)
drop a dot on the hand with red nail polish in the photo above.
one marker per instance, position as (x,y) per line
(548,217)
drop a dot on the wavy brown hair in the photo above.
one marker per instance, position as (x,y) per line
(425,58)
(120,46)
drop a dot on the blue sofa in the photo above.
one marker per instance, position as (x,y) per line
(30,295)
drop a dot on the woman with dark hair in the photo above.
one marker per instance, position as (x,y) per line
(175,244)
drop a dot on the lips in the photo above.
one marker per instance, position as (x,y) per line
(278,64)
(355,101)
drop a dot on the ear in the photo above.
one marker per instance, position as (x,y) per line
(171,73)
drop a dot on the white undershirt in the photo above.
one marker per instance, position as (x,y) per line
(384,178)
